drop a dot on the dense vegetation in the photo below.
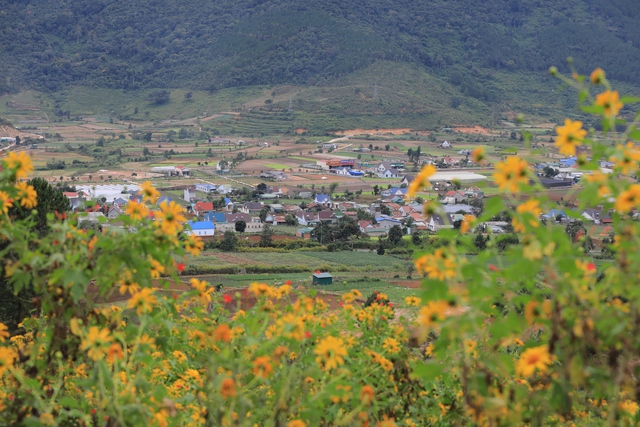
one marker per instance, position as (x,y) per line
(214,44)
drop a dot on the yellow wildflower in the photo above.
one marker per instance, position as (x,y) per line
(142,301)
(137,211)
(97,342)
(511,173)
(149,193)
(569,137)
(330,352)
(478,155)
(6,201)
(420,181)
(532,359)
(439,265)
(27,195)
(20,162)
(391,345)
(171,217)
(262,367)
(433,312)
(628,199)
(597,76)
(610,100)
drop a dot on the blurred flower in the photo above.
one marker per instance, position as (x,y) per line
(171,217)
(478,155)
(367,394)
(597,76)
(511,173)
(194,245)
(330,352)
(628,199)
(228,388)
(96,343)
(6,201)
(433,312)
(137,211)
(610,100)
(149,193)
(439,265)
(20,162)
(420,181)
(142,301)
(569,137)
(413,301)
(391,345)
(27,195)
(262,367)
(532,359)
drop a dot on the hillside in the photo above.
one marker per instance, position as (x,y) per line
(474,55)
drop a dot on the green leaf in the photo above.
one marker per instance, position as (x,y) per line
(560,399)
(68,402)
(493,207)
(434,290)
(629,99)
(428,370)
(634,134)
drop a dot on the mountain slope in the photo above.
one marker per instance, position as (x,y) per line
(206,44)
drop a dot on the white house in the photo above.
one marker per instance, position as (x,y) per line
(445,144)
(389,173)
(201,228)
(205,188)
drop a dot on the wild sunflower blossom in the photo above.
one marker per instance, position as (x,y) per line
(149,192)
(27,195)
(142,301)
(610,100)
(467,222)
(6,201)
(439,265)
(628,199)
(597,76)
(97,342)
(194,245)
(127,284)
(511,173)
(569,137)
(330,352)
(20,162)
(530,208)
(171,217)
(262,367)
(433,312)
(137,211)
(532,360)
(156,269)
(628,161)
(420,181)
(478,155)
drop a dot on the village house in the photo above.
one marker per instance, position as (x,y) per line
(251,207)
(306,218)
(436,222)
(323,199)
(200,228)
(386,222)
(406,180)
(389,173)
(457,208)
(201,208)
(327,216)
(453,197)
(114,212)
(418,221)
(593,215)
(473,193)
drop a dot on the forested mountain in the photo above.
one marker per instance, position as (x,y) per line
(211,44)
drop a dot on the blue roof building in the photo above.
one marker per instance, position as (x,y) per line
(164,199)
(219,217)
(201,228)
(323,198)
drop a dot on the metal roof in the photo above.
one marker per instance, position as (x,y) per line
(322,275)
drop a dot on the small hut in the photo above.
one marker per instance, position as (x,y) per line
(322,279)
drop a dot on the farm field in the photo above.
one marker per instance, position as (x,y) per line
(354,261)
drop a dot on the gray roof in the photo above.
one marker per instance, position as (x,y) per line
(322,275)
